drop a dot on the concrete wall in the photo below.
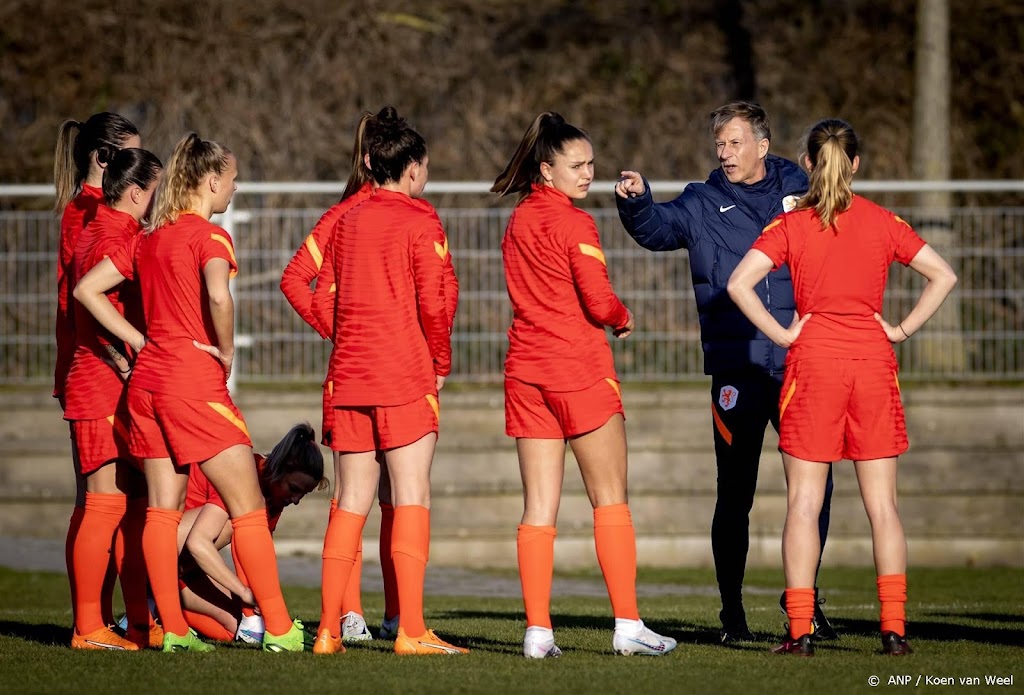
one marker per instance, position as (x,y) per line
(961,485)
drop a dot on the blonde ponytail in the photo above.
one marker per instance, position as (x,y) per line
(831,147)
(65,173)
(193,158)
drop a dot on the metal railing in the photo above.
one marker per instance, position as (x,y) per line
(986,340)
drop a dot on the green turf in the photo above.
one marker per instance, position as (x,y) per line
(965,622)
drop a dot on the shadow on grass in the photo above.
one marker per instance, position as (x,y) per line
(48,634)
(942,631)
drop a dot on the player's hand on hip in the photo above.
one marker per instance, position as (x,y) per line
(226,359)
(630,185)
(895,334)
(795,328)
(626,330)
(439,382)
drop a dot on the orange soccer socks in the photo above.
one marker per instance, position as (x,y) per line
(255,549)
(341,546)
(892,594)
(387,564)
(410,551)
(616,553)
(800,611)
(93,545)
(536,549)
(74,524)
(352,602)
(207,626)
(160,547)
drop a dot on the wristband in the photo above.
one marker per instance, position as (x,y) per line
(904,330)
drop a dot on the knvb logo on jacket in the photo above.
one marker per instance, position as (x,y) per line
(727,397)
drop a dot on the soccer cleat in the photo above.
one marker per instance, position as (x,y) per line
(388,628)
(292,641)
(250,629)
(427,643)
(734,626)
(895,645)
(641,640)
(103,638)
(539,643)
(189,643)
(325,644)
(801,646)
(353,628)
(821,628)
(153,638)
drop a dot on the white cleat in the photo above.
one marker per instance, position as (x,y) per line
(633,637)
(250,630)
(388,628)
(539,643)
(353,628)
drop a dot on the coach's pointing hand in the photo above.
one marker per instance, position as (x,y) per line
(630,185)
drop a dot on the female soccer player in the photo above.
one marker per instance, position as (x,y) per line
(310,263)
(96,407)
(841,396)
(181,412)
(215,598)
(82,153)
(392,352)
(560,381)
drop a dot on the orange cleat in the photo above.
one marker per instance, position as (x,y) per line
(143,639)
(427,643)
(103,638)
(325,644)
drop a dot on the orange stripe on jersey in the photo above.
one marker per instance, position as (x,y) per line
(330,388)
(787,399)
(593,251)
(231,252)
(226,413)
(333,289)
(615,385)
(776,223)
(314,251)
(442,250)
(901,220)
(119,429)
(432,400)
(720,425)
(896,378)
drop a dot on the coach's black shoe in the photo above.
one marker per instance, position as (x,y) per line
(734,626)
(821,628)
(801,646)
(895,645)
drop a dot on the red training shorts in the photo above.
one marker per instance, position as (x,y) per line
(832,409)
(102,441)
(374,427)
(535,413)
(189,431)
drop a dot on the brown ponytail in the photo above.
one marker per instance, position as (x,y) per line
(359,175)
(545,138)
(103,133)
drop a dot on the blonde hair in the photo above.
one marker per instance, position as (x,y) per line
(192,160)
(831,147)
(103,133)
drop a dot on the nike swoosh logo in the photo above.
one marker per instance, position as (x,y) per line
(449,650)
(726,209)
(660,647)
(104,645)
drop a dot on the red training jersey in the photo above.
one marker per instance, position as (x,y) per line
(308,261)
(93,386)
(561,296)
(168,264)
(391,332)
(839,276)
(200,491)
(79,212)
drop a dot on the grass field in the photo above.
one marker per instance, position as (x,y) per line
(964,623)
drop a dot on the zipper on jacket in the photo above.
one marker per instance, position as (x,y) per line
(771,348)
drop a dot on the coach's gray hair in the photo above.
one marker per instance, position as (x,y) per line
(752,113)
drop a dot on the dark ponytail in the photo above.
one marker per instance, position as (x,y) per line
(393,145)
(546,137)
(103,133)
(130,167)
(297,451)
